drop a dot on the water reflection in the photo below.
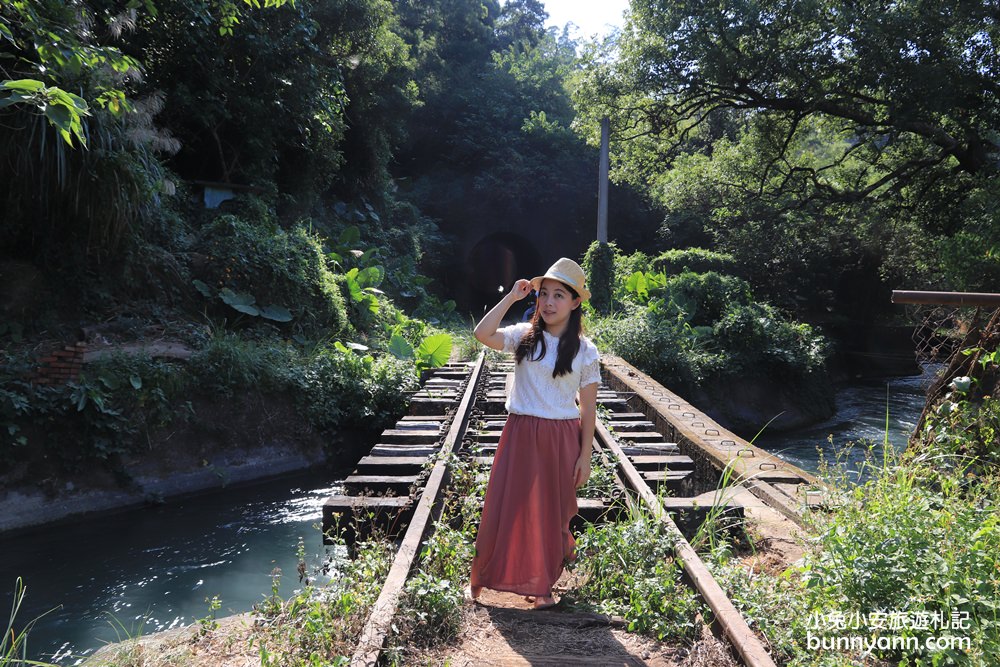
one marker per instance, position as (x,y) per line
(155,568)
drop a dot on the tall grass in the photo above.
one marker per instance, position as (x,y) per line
(917,540)
(14,643)
(321,623)
(626,568)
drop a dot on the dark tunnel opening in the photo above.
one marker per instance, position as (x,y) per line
(491,268)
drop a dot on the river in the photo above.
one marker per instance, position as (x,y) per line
(155,568)
(860,422)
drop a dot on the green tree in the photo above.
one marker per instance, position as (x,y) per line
(832,148)
(491,139)
(521,22)
(912,82)
(51,45)
(67,206)
(307,97)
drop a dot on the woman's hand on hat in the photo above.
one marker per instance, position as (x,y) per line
(521,289)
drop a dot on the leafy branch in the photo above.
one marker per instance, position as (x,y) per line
(60,42)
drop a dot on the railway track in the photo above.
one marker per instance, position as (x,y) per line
(460,410)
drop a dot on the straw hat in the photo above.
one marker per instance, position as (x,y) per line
(568,272)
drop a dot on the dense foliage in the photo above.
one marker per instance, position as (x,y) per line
(802,160)
(706,336)
(908,562)
(599,267)
(126,405)
(833,150)
(824,183)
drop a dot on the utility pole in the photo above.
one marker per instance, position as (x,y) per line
(602,184)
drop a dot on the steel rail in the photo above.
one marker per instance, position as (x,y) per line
(379,622)
(735,628)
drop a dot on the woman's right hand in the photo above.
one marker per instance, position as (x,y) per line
(521,289)
(486,331)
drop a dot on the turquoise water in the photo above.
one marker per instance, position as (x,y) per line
(154,568)
(860,421)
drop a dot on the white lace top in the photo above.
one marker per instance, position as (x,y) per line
(535,391)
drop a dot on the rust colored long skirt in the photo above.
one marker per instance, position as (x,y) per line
(524,537)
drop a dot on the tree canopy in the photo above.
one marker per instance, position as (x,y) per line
(50,45)
(816,141)
(913,82)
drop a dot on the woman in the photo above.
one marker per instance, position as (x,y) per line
(544,450)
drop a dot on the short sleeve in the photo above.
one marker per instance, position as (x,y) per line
(513,334)
(590,369)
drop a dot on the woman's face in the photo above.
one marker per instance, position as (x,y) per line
(555,302)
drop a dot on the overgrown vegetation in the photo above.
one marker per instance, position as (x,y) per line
(697,332)
(321,624)
(430,612)
(116,405)
(626,568)
(119,402)
(907,565)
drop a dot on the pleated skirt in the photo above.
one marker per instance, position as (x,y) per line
(524,538)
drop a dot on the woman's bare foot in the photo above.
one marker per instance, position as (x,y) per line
(545,602)
(472,593)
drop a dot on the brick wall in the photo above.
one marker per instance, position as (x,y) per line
(61,366)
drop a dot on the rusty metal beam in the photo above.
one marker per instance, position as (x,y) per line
(946,298)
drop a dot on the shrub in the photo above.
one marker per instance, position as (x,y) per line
(627,569)
(625,266)
(433,608)
(276,267)
(755,336)
(599,267)
(704,297)
(321,625)
(150,391)
(342,388)
(387,385)
(962,431)
(649,343)
(229,364)
(693,332)
(695,260)
(917,539)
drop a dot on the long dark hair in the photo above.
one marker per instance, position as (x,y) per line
(532,345)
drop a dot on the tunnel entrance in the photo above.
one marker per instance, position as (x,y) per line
(492,266)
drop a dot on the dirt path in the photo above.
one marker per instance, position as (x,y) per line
(502,629)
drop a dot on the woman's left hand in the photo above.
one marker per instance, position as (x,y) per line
(581,472)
